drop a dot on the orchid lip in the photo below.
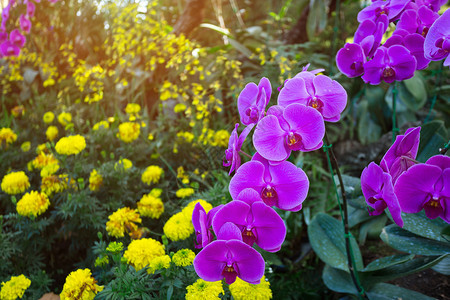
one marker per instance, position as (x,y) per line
(269,196)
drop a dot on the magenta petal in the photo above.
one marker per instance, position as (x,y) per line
(414,43)
(247,104)
(414,187)
(250,263)
(264,84)
(269,139)
(306,122)
(229,231)
(373,69)
(391,200)
(235,212)
(249,175)
(371,181)
(291,185)
(17,38)
(249,196)
(440,29)
(403,63)
(441,161)
(198,208)
(210,262)
(408,21)
(332,94)
(350,60)
(270,228)
(294,91)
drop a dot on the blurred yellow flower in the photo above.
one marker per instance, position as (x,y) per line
(150,206)
(121,221)
(14,288)
(49,117)
(15,183)
(132,108)
(51,184)
(51,133)
(8,136)
(123,163)
(152,174)
(43,160)
(32,204)
(221,138)
(129,131)
(95,180)
(17,111)
(99,125)
(26,146)
(185,192)
(80,285)
(180,107)
(64,118)
(70,145)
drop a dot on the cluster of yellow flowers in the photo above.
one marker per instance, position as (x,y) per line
(33,204)
(52,184)
(147,252)
(183,257)
(80,285)
(151,205)
(14,288)
(121,221)
(15,183)
(7,136)
(179,226)
(204,290)
(129,131)
(70,145)
(185,192)
(241,290)
(123,164)
(152,174)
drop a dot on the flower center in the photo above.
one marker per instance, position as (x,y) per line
(269,196)
(315,103)
(388,73)
(252,113)
(230,273)
(293,140)
(382,10)
(248,236)
(227,159)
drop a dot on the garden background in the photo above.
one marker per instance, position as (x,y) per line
(151,89)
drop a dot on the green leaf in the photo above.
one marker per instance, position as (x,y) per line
(387,261)
(326,235)
(433,136)
(402,269)
(222,31)
(352,185)
(372,228)
(443,266)
(421,225)
(409,242)
(385,291)
(317,17)
(357,215)
(338,280)
(415,93)
(368,130)
(239,47)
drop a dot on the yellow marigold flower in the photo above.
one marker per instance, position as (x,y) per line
(80,285)
(141,252)
(152,174)
(14,288)
(150,137)
(51,133)
(123,163)
(129,131)
(101,124)
(158,263)
(150,206)
(187,211)
(185,192)
(183,257)
(178,227)
(64,118)
(49,170)
(73,144)
(43,160)
(15,183)
(32,204)
(26,146)
(95,180)
(42,148)
(132,108)
(155,192)
(8,136)
(124,219)
(55,184)
(18,110)
(48,117)
(204,290)
(180,107)
(241,290)
(221,138)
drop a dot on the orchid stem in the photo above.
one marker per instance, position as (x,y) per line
(353,272)
(445,149)
(245,154)
(410,159)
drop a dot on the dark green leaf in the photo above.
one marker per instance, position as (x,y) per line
(384,291)
(387,261)
(338,280)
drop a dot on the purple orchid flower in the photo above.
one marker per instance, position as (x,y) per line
(25,23)
(258,222)
(401,155)
(417,21)
(350,60)
(17,38)
(229,257)
(322,93)
(378,190)
(3,37)
(390,64)
(390,8)
(31,7)
(282,130)
(426,186)
(434,5)
(437,42)
(413,42)
(369,34)
(252,101)
(283,185)
(202,222)
(314,72)
(9,49)
(232,157)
